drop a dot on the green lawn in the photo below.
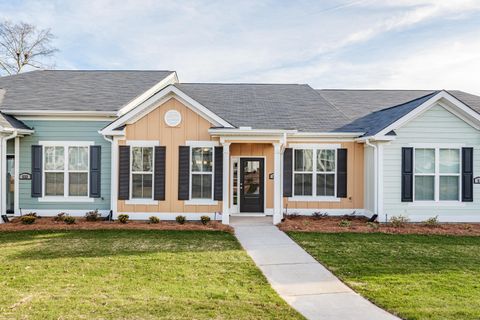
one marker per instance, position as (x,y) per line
(132,274)
(413,276)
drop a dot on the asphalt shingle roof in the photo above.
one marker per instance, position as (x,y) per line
(76,90)
(267,106)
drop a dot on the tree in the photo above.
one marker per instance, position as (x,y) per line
(21,45)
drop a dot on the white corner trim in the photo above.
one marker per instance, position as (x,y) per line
(142,201)
(143,143)
(65,199)
(170,79)
(200,202)
(207,143)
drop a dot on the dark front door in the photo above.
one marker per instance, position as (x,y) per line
(251,184)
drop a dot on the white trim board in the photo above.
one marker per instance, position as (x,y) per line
(158,99)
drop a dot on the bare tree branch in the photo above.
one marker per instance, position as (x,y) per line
(23,45)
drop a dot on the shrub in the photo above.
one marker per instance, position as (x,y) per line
(181,219)
(345,223)
(26,219)
(319,215)
(154,219)
(432,222)
(31,214)
(69,220)
(205,220)
(399,221)
(123,218)
(92,216)
(373,225)
(59,217)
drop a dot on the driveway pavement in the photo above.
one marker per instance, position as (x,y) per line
(298,278)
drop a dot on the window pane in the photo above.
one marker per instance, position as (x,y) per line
(202,159)
(424,160)
(54,183)
(449,161)
(142,186)
(449,188)
(137,159)
(147,159)
(303,184)
(326,160)
(424,188)
(303,160)
(201,186)
(325,184)
(54,158)
(78,158)
(77,184)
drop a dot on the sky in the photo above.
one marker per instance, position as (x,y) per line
(386,44)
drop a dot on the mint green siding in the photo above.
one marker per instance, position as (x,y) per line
(435,126)
(65,131)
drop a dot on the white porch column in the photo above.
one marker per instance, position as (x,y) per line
(16,170)
(277,182)
(114,177)
(226,176)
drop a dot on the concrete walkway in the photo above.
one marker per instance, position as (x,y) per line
(297,277)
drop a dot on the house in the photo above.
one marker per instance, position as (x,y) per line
(143,143)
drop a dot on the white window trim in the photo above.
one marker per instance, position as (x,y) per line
(201,144)
(437,174)
(142,144)
(315,148)
(65,197)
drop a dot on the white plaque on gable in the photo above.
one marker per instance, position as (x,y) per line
(173,118)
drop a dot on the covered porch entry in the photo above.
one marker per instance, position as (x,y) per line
(252,179)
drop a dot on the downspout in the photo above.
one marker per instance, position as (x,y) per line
(375,175)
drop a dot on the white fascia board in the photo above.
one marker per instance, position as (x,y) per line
(163,95)
(326,134)
(247,132)
(170,79)
(376,138)
(442,95)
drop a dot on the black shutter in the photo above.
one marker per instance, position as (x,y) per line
(407,174)
(467,174)
(124,173)
(287,172)
(36,171)
(341,173)
(95,171)
(159,187)
(218,180)
(183,172)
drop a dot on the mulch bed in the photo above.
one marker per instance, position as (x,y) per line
(82,224)
(359,224)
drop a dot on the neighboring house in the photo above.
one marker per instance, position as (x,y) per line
(142,143)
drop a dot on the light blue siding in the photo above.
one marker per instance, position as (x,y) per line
(435,126)
(65,131)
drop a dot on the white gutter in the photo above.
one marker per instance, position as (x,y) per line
(59,113)
(327,134)
(375,174)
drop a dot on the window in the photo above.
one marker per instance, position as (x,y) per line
(314,172)
(66,170)
(437,174)
(142,172)
(201,172)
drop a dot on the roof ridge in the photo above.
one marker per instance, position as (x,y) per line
(243,83)
(337,89)
(332,104)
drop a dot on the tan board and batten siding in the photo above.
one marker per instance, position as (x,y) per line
(195,128)
(355,178)
(153,127)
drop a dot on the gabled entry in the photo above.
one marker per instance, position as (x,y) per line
(252,187)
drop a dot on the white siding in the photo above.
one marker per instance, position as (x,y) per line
(437,125)
(369,181)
